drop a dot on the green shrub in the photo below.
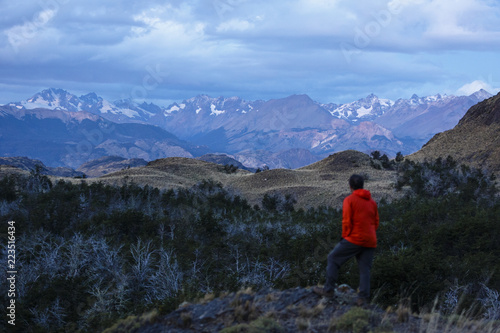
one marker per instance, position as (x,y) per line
(260,325)
(355,320)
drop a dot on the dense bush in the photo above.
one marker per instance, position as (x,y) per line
(442,236)
(91,253)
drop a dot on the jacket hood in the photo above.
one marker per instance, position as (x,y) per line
(365,194)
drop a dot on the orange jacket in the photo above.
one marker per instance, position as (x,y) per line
(360,219)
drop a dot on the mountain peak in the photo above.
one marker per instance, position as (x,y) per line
(91,98)
(481,95)
(298,98)
(49,95)
(53,98)
(54,91)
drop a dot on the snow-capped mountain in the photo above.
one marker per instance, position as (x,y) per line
(202,114)
(53,99)
(299,122)
(420,118)
(212,106)
(59,99)
(232,125)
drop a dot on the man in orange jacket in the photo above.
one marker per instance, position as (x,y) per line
(360,221)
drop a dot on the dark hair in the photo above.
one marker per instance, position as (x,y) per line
(356,182)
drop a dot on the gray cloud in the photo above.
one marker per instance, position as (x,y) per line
(332,50)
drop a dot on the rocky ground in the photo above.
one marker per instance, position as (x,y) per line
(294,310)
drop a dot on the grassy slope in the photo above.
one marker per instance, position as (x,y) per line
(321,183)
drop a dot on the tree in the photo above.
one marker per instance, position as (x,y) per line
(385,161)
(230,168)
(270,202)
(375,155)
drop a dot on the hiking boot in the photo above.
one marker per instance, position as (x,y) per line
(322,292)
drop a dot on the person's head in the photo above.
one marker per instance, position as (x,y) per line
(356,182)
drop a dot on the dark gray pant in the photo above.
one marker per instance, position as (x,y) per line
(344,251)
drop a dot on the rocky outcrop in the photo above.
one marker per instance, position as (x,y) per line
(292,310)
(224,159)
(273,310)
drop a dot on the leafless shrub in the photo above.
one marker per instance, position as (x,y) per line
(51,317)
(78,255)
(7,207)
(490,302)
(452,298)
(167,278)
(102,300)
(263,274)
(41,318)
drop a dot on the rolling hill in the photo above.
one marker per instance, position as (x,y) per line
(321,183)
(108,164)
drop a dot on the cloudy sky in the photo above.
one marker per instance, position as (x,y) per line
(333,50)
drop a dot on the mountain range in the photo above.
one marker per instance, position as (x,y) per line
(64,138)
(62,129)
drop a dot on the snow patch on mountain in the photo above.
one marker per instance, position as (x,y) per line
(363,111)
(214,110)
(38,104)
(173,108)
